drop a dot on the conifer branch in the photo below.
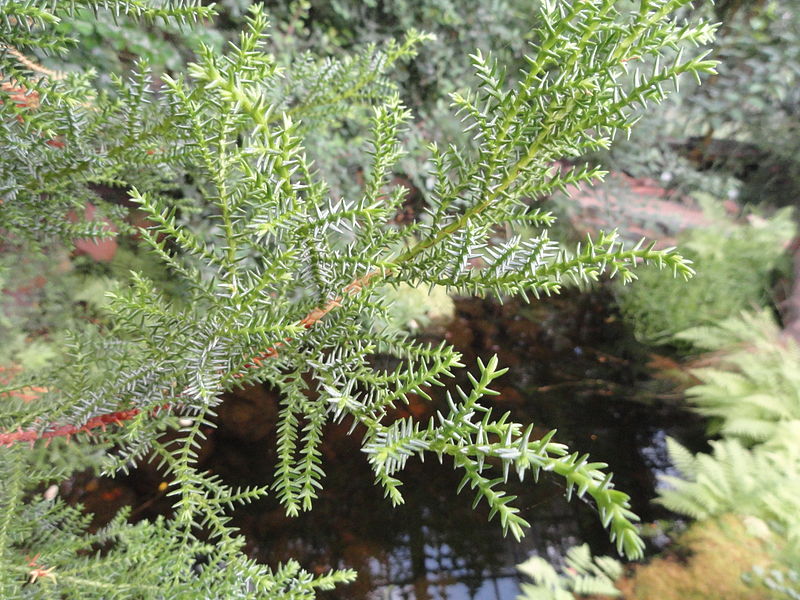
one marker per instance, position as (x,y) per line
(119,417)
(278,275)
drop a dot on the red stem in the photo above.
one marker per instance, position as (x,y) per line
(119,417)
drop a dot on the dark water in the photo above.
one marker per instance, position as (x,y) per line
(573,367)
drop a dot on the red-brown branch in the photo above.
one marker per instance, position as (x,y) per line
(67,431)
(119,417)
(24,98)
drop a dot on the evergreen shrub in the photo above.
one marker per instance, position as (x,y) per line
(737,135)
(278,275)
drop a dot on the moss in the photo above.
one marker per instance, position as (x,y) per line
(716,555)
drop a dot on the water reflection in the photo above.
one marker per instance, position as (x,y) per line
(573,366)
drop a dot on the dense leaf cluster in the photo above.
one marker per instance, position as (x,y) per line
(752,395)
(279,275)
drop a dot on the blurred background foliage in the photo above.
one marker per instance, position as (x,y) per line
(737,262)
(738,134)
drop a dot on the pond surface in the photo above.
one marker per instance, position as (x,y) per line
(573,366)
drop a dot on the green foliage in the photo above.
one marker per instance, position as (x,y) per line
(505,26)
(752,395)
(734,264)
(582,576)
(760,482)
(277,275)
(755,98)
(148,560)
(49,296)
(60,135)
(737,133)
(111,44)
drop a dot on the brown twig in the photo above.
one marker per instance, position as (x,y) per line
(20,95)
(25,98)
(32,65)
(119,417)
